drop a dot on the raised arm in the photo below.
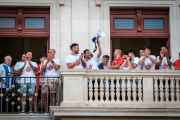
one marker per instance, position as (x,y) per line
(100,52)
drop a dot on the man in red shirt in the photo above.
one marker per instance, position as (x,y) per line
(118,60)
(177,64)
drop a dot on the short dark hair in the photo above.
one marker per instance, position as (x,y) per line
(165,46)
(106,56)
(179,54)
(124,53)
(132,51)
(42,55)
(28,51)
(119,49)
(74,44)
(147,47)
(23,53)
(141,49)
(85,51)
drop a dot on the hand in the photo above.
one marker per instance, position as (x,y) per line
(81,56)
(49,58)
(108,67)
(28,60)
(4,82)
(161,54)
(128,58)
(147,54)
(38,73)
(25,62)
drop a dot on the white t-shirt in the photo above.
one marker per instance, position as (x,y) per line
(16,68)
(148,64)
(73,59)
(126,68)
(136,60)
(50,70)
(164,63)
(28,72)
(3,74)
(92,63)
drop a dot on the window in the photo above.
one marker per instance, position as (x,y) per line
(124,23)
(7,22)
(153,23)
(34,22)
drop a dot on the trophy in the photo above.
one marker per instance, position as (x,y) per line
(95,38)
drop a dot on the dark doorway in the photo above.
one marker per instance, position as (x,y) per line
(16,46)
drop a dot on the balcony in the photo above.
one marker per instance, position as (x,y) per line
(112,94)
(115,94)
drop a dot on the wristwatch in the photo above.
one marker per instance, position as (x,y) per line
(52,61)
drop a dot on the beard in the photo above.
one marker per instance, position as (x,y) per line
(76,52)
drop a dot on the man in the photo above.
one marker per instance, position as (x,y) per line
(5,83)
(164,61)
(74,61)
(27,69)
(17,74)
(41,74)
(105,62)
(177,64)
(148,61)
(134,60)
(51,67)
(141,52)
(118,61)
(92,62)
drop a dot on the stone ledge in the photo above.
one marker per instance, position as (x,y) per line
(57,111)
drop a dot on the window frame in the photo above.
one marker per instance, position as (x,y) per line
(123,17)
(164,17)
(10,16)
(46,25)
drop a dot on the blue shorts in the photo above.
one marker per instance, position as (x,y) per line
(28,88)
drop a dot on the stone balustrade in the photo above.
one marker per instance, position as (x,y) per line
(139,93)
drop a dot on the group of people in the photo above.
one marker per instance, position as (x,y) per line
(122,60)
(48,71)
(26,83)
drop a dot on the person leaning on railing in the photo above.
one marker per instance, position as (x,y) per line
(148,61)
(177,64)
(51,67)
(118,59)
(164,61)
(27,70)
(5,85)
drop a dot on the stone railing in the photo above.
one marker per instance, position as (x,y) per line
(145,91)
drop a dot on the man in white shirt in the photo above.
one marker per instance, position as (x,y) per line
(27,69)
(5,83)
(92,62)
(75,61)
(51,67)
(17,74)
(164,61)
(134,60)
(148,61)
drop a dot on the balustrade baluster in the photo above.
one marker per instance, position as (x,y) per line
(134,89)
(139,90)
(177,88)
(118,89)
(156,89)
(172,89)
(129,89)
(96,89)
(90,89)
(101,89)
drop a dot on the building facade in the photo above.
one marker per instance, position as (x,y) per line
(146,23)
(38,25)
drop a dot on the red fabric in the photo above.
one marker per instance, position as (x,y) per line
(119,60)
(177,64)
(37,79)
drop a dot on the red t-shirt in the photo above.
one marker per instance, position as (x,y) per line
(177,64)
(118,60)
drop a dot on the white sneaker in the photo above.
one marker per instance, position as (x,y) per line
(22,112)
(30,112)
